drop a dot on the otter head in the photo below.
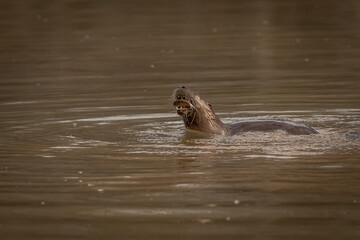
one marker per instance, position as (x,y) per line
(197,113)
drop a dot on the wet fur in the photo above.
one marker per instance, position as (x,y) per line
(200,116)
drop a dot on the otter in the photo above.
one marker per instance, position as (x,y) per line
(199,115)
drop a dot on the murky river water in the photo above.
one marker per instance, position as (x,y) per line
(92,148)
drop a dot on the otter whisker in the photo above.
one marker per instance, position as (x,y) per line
(194,117)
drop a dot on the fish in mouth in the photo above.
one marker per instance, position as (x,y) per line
(199,115)
(183,106)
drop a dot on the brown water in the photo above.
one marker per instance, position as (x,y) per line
(91,147)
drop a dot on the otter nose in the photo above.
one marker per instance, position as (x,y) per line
(182,87)
(180,97)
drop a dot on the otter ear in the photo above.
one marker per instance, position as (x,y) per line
(211,107)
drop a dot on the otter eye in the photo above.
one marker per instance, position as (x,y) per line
(210,105)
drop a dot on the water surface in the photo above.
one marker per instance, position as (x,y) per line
(91,147)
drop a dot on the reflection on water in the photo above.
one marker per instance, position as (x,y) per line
(91,147)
